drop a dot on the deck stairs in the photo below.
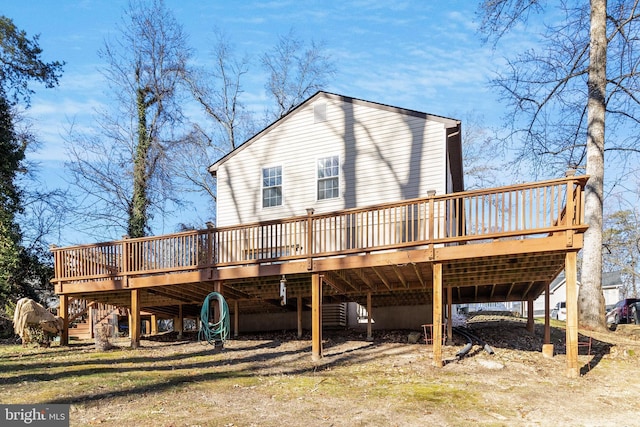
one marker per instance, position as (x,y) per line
(85,315)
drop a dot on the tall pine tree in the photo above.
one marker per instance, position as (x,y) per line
(10,165)
(20,64)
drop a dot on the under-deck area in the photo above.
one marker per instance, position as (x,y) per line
(493,245)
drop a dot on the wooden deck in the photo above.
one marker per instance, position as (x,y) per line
(501,244)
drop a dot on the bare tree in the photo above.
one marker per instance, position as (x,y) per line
(43,209)
(479,150)
(218,91)
(558,95)
(295,72)
(621,240)
(123,169)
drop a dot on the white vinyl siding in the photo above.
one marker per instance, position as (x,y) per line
(385,156)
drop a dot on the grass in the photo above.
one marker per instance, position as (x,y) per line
(189,375)
(274,383)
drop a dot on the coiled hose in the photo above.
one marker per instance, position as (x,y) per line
(217,332)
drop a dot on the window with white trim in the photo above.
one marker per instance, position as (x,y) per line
(271,186)
(328,177)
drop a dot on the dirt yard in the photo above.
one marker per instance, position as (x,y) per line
(270,380)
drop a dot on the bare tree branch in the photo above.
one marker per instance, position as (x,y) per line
(296,72)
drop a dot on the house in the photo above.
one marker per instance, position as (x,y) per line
(333,152)
(612,289)
(343,200)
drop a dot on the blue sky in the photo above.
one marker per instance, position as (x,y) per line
(422,55)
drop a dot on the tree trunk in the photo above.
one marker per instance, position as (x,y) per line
(101,337)
(590,299)
(139,203)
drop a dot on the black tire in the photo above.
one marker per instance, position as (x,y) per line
(635,314)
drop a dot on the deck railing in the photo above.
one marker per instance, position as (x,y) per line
(518,211)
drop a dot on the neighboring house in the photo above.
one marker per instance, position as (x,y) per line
(512,306)
(333,152)
(612,288)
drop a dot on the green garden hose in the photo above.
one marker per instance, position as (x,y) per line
(217,332)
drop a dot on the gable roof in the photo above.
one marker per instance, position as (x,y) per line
(453,132)
(610,279)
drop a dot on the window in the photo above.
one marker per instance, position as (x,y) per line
(320,113)
(328,177)
(272,186)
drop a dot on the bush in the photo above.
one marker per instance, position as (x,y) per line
(6,320)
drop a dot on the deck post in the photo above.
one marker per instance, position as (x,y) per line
(178,322)
(572,314)
(129,319)
(154,324)
(310,238)
(530,322)
(369,317)
(316,317)
(63,312)
(92,326)
(126,263)
(135,318)
(449,315)
(547,347)
(210,236)
(236,318)
(299,312)
(437,315)
(432,222)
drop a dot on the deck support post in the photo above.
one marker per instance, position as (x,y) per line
(369,317)
(129,320)
(530,322)
(154,324)
(571,277)
(178,322)
(437,315)
(63,312)
(135,318)
(449,315)
(547,347)
(299,313)
(92,326)
(236,318)
(316,317)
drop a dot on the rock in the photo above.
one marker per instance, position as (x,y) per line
(414,337)
(490,364)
